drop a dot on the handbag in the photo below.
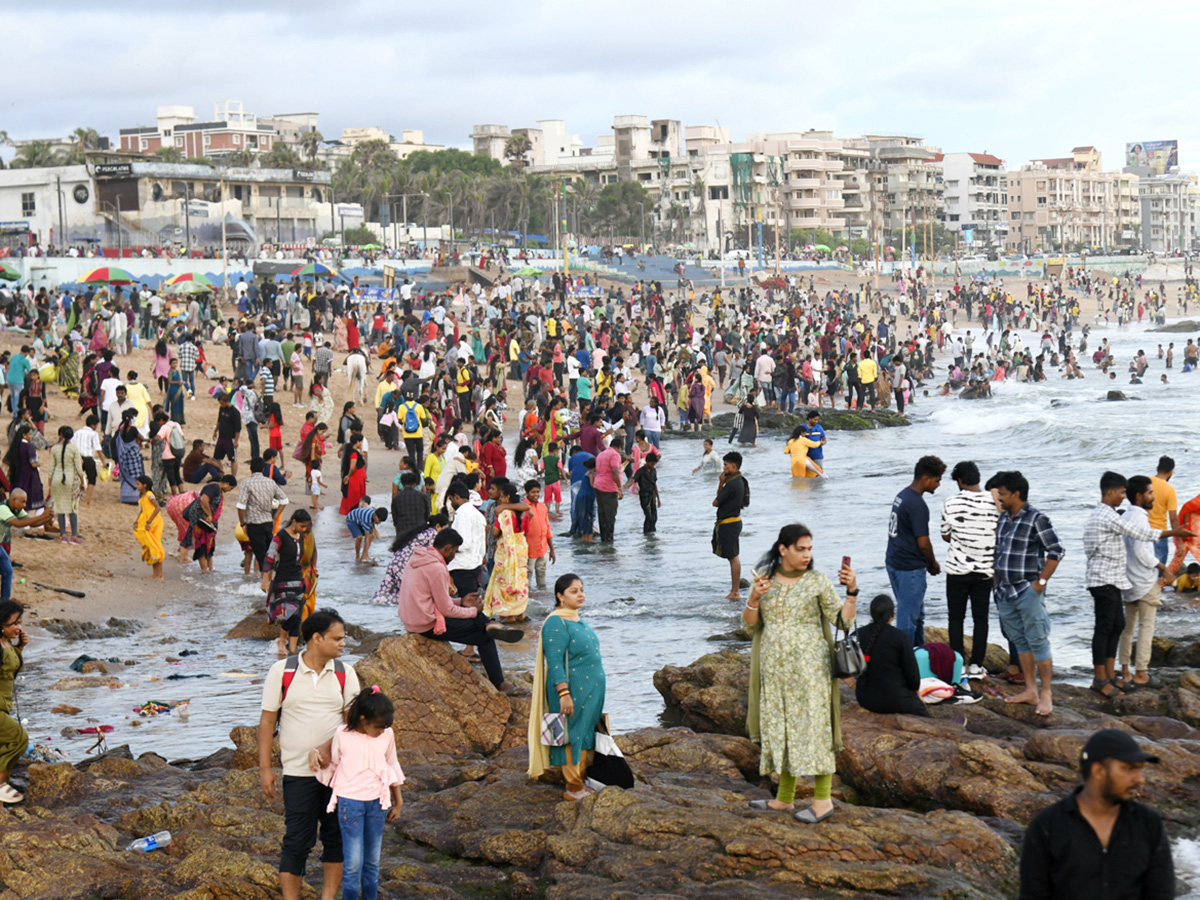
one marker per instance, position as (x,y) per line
(848,659)
(554,730)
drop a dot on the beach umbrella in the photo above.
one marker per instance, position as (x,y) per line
(371,247)
(107,275)
(824,247)
(842,247)
(189,278)
(314,269)
(9,272)
(187,287)
(528,272)
(889,249)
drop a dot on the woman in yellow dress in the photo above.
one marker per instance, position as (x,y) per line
(149,527)
(308,567)
(797,447)
(508,587)
(708,382)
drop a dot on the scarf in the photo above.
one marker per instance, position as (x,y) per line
(539,755)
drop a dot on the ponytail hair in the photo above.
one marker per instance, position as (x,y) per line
(882,610)
(372,705)
(788,535)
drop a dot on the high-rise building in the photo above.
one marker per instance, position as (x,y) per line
(975,201)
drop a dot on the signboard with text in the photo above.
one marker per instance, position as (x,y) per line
(113,170)
(1157,155)
(349,211)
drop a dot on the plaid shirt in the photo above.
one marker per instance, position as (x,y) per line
(1023,544)
(1104,544)
(189,355)
(321,359)
(255,495)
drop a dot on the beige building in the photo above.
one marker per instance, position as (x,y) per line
(908,189)
(1069,203)
(409,142)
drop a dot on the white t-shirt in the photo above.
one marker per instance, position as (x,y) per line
(108,391)
(314,482)
(87,441)
(969,517)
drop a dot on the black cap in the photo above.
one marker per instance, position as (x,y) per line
(1109,743)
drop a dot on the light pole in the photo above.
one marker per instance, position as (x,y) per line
(642,206)
(117,217)
(187,216)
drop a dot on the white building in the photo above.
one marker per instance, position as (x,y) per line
(410,142)
(976,203)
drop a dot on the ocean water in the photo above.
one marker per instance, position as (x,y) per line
(657,600)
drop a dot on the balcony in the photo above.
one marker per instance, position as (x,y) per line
(803,183)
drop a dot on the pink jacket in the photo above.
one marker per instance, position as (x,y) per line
(425,592)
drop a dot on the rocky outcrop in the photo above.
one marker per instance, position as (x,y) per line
(709,694)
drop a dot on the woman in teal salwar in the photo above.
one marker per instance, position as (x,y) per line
(568,678)
(793,709)
(175,392)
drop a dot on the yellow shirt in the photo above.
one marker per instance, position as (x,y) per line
(1183,584)
(867,370)
(464,380)
(1165,501)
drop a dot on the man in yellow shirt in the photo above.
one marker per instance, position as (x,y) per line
(1166,506)
(868,371)
(412,416)
(462,387)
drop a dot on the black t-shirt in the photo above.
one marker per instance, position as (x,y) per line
(229,423)
(730,497)
(647,484)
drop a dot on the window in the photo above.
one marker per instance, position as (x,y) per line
(208,140)
(1016,216)
(145,143)
(179,142)
(28,207)
(718,193)
(644,176)
(1041,201)
(237,138)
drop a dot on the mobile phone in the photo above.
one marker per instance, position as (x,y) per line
(845,562)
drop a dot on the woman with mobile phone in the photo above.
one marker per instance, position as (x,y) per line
(794,708)
(13,739)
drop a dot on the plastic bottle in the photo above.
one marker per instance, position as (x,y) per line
(153,842)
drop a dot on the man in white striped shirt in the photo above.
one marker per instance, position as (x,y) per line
(1106,577)
(969,527)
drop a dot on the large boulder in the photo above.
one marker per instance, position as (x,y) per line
(444,707)
(710,694)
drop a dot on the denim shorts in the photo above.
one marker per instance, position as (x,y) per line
(1026,623)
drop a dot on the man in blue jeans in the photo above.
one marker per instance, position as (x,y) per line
(1027,553)
(909,551)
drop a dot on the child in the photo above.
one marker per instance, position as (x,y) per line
(308,344)
(537,532)
(314,486)
(362,522)
(430,488)
(646,480)
(359,764)
(552,473)
(149,527)
(1188,581)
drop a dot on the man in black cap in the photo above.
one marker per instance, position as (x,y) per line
(1099,843)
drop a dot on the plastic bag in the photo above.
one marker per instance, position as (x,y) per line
(103,473)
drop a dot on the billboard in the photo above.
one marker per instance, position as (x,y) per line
(1157,155)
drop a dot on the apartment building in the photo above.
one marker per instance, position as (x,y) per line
(409,142)
(231,129)
(550,144)
(1168,212)
(1066,208)
(975,200)
(907,184)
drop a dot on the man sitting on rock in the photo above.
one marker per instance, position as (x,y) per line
(427,609)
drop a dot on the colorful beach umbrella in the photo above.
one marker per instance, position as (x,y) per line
(186,287)
(824,247)
(190,278)
(314,269)
(371,247)
(107,275)
(9,272)
(528,272)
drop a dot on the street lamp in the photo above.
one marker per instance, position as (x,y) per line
(642,206)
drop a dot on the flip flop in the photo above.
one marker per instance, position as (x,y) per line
(10,795)
(517,692)
(506,633)
(808,817)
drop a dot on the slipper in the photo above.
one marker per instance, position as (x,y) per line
(1098,687)
(517,692)
(808,817)
(764,806)
(470,657)
(506,633)
(9,794)
(578,795)
(1012,677)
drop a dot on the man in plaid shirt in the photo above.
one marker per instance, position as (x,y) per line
(322,359)
(1027,553)
(1104,543)
(189,355)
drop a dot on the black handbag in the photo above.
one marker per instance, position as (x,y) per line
(848,658)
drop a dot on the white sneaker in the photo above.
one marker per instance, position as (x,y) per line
(974,671)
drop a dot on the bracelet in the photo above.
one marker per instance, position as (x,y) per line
(851,593)
(748,606)
(562,691)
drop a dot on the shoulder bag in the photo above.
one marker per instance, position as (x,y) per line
(848,660)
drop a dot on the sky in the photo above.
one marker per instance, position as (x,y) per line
(1021,80)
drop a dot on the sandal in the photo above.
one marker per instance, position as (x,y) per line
(1012,677)
(808,817)
(574,796)
(506,633)
(765,806)
(9,794)
(1099,686)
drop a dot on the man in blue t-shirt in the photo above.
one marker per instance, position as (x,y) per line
(18,367)
(577,472)
(909,552)
(815,433)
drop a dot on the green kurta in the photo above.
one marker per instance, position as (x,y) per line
(795,715)
(572,653)
(13,739)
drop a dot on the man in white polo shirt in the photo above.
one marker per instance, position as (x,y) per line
(308,709)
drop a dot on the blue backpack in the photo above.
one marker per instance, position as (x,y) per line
(411,421)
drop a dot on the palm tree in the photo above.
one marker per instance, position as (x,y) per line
(4,142)
(36,155)
(310,142)
(241,159)
(516,150)
(281,156)
(82,140)
(169,154)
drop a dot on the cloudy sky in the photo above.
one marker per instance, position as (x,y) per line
(1019,79)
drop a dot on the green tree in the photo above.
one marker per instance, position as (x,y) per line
(169,154)
(620,207)
(36,155)
(451,161)
(4,142)
(310,143)
(240,159)
(355,237)
(516,151)
(281,156)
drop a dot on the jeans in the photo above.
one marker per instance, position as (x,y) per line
(1026,623)
(6,571)
(536,566)
(361,822)
(252,431)
(653,438)
(606,512)
(1110,622)
(787,401)
(977,588)
(474,632)
(14,396)
(189,379)
(1162,547)
(203,471)
(909,587)
(416,449)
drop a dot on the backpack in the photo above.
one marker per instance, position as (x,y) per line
(412,421)
(176,439)
(746,494)
(260,412)
(293,664)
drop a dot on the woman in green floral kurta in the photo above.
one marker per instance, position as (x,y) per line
(793,695)
(13,739)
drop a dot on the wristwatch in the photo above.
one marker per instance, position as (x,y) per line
(1041,582)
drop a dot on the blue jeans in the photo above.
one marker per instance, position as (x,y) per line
(1161,548)
(5,576)
(362,840)
(909,587)
(653,438)
(189,379)
(787,401)
(14,396)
